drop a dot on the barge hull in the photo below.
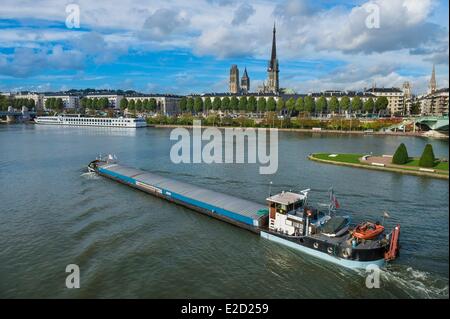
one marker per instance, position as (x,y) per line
(348,263)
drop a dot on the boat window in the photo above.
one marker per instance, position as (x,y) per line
(298,204)
(281,209)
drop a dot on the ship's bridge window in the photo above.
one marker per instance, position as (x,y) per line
(298,204)
(281,209)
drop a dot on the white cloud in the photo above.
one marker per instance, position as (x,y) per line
(242,13)
(25,62)
(164,22)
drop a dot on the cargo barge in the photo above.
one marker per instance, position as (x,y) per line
(236,211)
(287,219)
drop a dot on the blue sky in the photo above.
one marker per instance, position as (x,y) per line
(188,46)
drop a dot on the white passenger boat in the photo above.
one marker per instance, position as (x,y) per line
(78,120)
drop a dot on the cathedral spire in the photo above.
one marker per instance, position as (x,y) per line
(273,69)
(245,75)
(245,82)
(273,57)
(433,84)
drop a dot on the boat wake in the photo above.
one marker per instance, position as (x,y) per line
(90,175)
(417,283)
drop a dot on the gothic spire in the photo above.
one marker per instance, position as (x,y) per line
(245,75)
(273,57)
(433,80)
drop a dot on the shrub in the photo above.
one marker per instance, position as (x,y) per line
(427,159)
(401,155)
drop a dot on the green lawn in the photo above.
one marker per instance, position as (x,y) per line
(354,159)
(439,165)
(345,158)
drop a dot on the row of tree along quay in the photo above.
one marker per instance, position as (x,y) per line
(306,104)
(16,103)
(273,120)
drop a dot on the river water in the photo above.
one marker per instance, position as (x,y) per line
(129,244)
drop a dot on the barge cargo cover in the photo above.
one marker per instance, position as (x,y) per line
(237,211)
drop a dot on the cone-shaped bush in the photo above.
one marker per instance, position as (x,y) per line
(401,155)
(427,159)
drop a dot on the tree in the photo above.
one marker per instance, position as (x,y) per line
(190,105)
(369,106)
(321,105)
(103,103)
(139,105)
(123,104)
(401,155)
(300,105)
(83,102)
(290,105)
(226,103)
(345,104)
(251,104)
(183,104)
(333,105)
(427,159)
(271,104)
(46,104)
(58,104)
(53,103)
(132,106)
(4,103)
(381,103)
(261,104)
(217,103)
(357,104)
(280,105)
(145,105)
(234,103)
(310,104)
(243,103)
(31,104)
(415,108)
(208,104)
(152,105)
(198,104)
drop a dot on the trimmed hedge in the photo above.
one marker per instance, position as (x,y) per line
(427,159)
(401,155)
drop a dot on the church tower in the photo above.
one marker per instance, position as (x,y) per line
(245,83)
(433,85)
(234,79)
(273,69)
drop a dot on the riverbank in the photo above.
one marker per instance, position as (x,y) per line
(315,131)
(361,161)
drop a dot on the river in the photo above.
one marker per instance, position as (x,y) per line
(129,244)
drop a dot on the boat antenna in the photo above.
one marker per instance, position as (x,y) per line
(270,188)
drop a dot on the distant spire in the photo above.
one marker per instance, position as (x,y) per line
(245,75)
(273,57)
(433,84)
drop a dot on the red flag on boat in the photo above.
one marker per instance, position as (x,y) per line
(334,200)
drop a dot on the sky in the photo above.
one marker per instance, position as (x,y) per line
(188,46)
